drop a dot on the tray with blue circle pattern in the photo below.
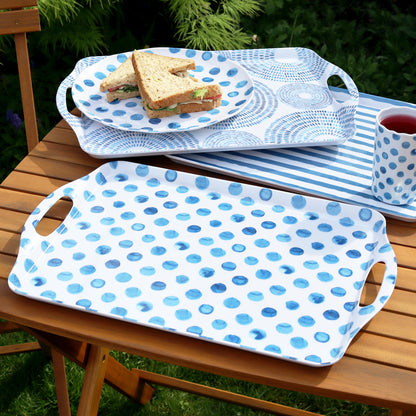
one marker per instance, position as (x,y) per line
(250,267)
(291,105)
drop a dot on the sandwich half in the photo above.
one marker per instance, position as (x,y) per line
(168,89)
(121,83)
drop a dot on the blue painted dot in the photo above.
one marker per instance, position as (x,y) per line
(316,298)
(273,256)
(85,303)
(284,328)
(239,280)
(86,270)
(277,290)
(331,315)
(158,250)
(299,342)
(238,248)
(255,296)
(64,276)
(182,279)
(206,272)
(97,283)
(269,312)
(235,339)
(171,301)
(218,252)
(158,285)
(206,309)
(193,258)
(144,306)
(133,292)
(257,334)
(112,264)
(219,324)
(251,260)
(321,337)
(306,321)
(147,271)
(108,297)
(325,276)
(292,305)
(30,266)
(170,265)
(231,303)
(193,294)
(218,288)
(301,283)
(183,314)
(75,288)
(134,256)
(103,249)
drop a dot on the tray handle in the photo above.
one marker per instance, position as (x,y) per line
(349,83)
(364,314)
(30,238)
(61,94)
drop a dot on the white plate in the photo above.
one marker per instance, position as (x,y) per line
(130,115)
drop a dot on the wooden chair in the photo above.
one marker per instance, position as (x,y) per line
(16,19)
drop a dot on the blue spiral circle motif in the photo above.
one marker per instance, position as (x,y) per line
(262,106)
(309,127)
(305,96)
(106,139)
(232,139)
(305,66)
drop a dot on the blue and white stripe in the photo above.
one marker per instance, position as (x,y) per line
(341,172)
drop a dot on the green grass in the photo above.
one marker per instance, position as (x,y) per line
(27,388)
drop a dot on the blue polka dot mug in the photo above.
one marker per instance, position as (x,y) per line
(394,164)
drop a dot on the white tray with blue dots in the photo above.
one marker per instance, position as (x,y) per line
(250,267)
(272,98)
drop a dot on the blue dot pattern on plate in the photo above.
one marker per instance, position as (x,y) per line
(274,272)
(129,115)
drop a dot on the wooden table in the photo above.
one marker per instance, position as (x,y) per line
(379,367)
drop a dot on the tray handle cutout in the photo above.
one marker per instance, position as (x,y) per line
(336,72)
(363,314)
(30,237)
(61,95)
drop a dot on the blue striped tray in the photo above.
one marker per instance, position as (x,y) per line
(340,172)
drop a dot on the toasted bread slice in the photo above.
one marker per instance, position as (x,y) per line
(165,93)
(121,83)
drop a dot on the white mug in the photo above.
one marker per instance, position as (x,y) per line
(394,163)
